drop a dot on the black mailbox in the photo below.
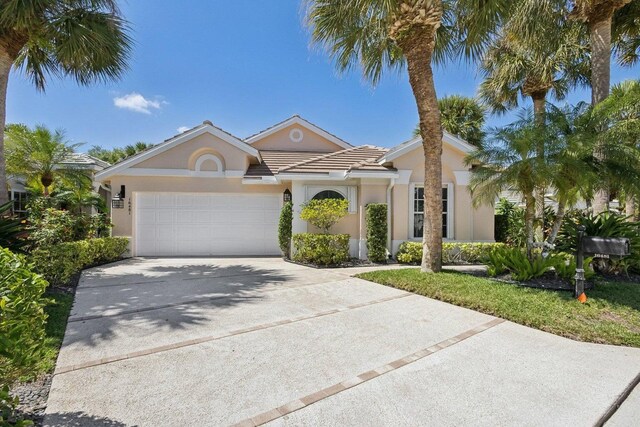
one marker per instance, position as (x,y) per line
(617,246)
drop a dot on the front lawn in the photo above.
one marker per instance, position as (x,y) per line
(58,313)
(610,316)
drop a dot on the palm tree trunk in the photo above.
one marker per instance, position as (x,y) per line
(557,222)
(529,217)
(418,55)
(539,104)
(600,41)
(630,208)
(5,69)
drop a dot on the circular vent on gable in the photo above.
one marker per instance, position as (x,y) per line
(296,135)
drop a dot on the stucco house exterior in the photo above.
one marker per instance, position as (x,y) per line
(207,192)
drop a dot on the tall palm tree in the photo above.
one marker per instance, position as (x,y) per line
(534,66)
(37,155)
(598,16)
(382,34)
(85,40)
(463,116)
(117,154)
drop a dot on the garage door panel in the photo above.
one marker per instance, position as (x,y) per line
(206,224)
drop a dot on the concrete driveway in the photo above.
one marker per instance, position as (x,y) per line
(208,342)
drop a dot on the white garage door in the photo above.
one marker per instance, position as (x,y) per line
(206,224)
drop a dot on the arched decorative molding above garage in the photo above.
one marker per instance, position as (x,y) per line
(208,164)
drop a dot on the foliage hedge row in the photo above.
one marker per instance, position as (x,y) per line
(321,249)
(452,253)
(285,229)
(22,318)
(376,218)
(59,263)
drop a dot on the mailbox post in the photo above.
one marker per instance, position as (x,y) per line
(579,288)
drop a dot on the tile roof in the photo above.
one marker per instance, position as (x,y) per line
(361,158)
(82,160)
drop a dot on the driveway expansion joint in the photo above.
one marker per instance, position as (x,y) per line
(196,341)
(297,404)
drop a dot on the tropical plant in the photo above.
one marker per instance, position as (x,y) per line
(11,229)
(598,17)
(533,67)
(509,161)
(376,219)
(324,213)
(321,249)
(523,267)
(462,116)
(85,40)
(285,227)
(381,34)
(40,155)
(117,154)
(22,325)
(78,200)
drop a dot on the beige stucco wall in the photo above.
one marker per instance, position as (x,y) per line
(123,220)
(310,142)
(469,224)
(185,155)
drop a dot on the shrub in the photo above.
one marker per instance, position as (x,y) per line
(22,324)
(376,217)
(607,224)
(285,229)
(452,253)
(11,229)
(501,227)
(324,213)
(59,263)
(321,249)
(515,261)
(565,267)
(52,227)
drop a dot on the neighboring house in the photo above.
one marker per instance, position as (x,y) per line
(207,192)
(17,185)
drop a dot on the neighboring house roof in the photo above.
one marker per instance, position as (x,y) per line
(299,121)
(412,144)
(205,127)
(85,161)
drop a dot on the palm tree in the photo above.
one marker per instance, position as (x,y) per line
(463,116)
(534,67)
(389,34)
(116,155)
(37,155)
(598,16)
(85,40)
(619,116)
(509,161)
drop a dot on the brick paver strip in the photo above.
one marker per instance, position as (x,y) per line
(190,302)
(312,398)
(196,341)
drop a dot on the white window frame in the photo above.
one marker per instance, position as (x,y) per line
(349,192)
(450,210)
(13,204)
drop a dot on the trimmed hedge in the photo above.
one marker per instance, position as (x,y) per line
(59,263)
(321,249)
(376,218)
(285,229)
(452,253)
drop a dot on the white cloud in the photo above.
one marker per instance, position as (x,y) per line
(183,129)
(138,103)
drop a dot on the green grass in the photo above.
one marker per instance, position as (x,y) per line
(611,314)
(58,313)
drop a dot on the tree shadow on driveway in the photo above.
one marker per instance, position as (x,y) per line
(80,419)
(176,301)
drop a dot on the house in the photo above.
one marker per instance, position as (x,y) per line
(207,192)
(17,186)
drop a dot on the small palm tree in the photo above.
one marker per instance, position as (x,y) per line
(509,161)
(85,40)
(463,116)
(389,34)
(37,154)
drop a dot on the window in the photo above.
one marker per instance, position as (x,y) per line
(19,199)
(418,212)
(328,194)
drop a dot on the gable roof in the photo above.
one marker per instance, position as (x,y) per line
(408,146)
(298,121)
(85,161)
(205,127)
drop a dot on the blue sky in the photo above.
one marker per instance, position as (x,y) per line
(244,65)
